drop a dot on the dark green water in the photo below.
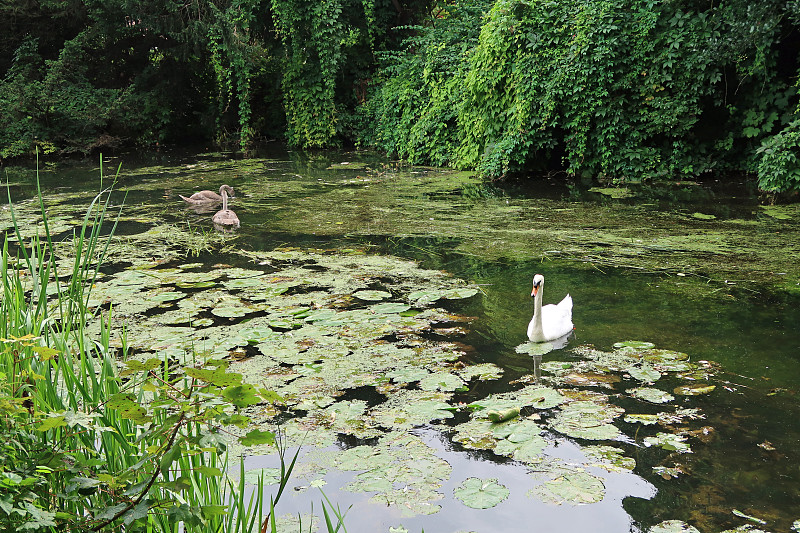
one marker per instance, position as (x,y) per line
(749,460)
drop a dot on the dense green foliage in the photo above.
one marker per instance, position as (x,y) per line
(626,90)
(621,90)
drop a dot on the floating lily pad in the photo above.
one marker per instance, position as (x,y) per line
(673,526)
(480,493)
(639,418)
(669,441)
(535,348)
(427,296)
(371,295)
(609,458)
(587,420)
(230,309)
(651,395)
(195,284)
(459,294)
(694,389)
(636,345)
(645,373)
(575,488)
(390,308)
(269,476)
(482,371)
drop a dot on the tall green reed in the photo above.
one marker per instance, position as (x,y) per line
(84,446)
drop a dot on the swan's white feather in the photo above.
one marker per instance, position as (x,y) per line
(556,321)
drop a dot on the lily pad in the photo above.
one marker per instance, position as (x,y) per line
(480,493)
(637,345)
(673,526)
(575,488)
(651,395)
(372,295)
(535,348)
(645,373)
(390,308)
(587,420)
(694,389)
(443,381)
(669,441)
(609,458)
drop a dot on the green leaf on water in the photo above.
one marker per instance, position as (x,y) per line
(651,395)
(637,345)
(694,389)
(390,308)
(535,348)
(668,441)
(575,488)
(372,295)
(646,419)
(443,381)
(480,493)
(459,294)
(609,458)
(644,372)
(270,476)
(703,216)
(587,420)
(673,526)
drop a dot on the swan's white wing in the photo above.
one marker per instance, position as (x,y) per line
(557,319)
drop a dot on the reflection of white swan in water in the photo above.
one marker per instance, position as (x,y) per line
(208,197)
(225,217)
(550,322)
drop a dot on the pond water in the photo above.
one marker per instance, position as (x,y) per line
(694,269)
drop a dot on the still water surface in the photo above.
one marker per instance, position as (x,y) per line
(748,463)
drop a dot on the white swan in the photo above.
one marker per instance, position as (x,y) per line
(225,217)
(551,321)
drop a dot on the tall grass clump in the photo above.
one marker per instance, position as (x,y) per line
(92,442)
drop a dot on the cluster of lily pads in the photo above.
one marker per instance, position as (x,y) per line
(368,347)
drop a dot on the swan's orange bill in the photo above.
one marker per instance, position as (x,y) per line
(535,290)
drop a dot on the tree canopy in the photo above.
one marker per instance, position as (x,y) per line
(626,90)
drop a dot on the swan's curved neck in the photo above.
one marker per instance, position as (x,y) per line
(536,323)
(224,200)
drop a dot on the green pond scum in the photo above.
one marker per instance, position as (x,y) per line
(363,348)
